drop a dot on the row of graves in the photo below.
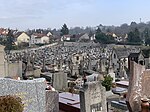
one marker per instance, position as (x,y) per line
(37,96)
(76,73)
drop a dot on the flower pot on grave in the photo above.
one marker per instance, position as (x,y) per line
(145,105)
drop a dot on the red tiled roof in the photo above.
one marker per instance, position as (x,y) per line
(38,35)
(3,31)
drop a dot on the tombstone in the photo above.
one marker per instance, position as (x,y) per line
(13,69)
(52,101)
(2,61)
(89,64)
(134,89)
(145,82)
(74,70)
(102,65)
(93,98)
(37,72)
(59,80)
(32,92)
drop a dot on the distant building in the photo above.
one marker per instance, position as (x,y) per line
(84,37)
(49,34)
(23,37)
(66,38)
(38,38)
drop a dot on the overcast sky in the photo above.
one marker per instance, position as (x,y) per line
(23,14)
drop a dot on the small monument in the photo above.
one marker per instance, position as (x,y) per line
(134,90)
(2,61)
(59,80)
(93,98)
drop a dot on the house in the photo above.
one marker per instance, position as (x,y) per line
(38,38)
(23,37)
(66,38)
(49,34)
(3,31)
(83,37)
(92,37)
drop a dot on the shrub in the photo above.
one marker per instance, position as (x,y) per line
(11,104)
(107,83)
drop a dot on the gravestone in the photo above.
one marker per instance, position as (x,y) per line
(93,98)
(145,83)
(134,89)
(32,92)
(74,70)
(13,69)
(52,101)
(2,61)
(111,73)
(59,80)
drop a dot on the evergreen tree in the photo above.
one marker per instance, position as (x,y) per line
(103,38)
(64,30)
(146,35)
(9,41)
(98,31)
(134,37)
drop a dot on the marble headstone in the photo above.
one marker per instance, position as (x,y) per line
(32,92)
(93,98)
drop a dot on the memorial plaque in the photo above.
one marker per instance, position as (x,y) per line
(93,98)
(32,92)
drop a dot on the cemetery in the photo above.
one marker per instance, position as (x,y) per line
(82,77)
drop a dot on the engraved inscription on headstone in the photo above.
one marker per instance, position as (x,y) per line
(96,107)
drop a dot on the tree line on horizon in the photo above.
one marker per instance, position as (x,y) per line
(138,33)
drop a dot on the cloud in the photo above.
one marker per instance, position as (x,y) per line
(19,17)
